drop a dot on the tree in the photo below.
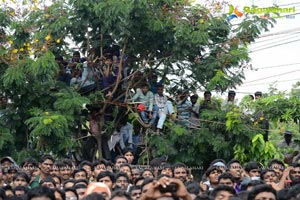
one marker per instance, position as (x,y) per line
(184,40)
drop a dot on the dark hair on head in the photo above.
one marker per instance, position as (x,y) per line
(123,157)
(40,191)
(135,187)
(211,169)
(66,162)
(259,189)
(226,176)
(79,186)
(193,188)
(146,182)
(23,175)
(94,196)
(120,193)
(48,179)
(179,165)
(76,53)
(7,187)
(295,164)
(294,191)
(69,181)
(81,181)
(126,165)
(147,170)
(283,194)
(86,162)
(202,197)
(122,174)
(231,92)
(71,189)
(99,162)
(264,171)
(46,157)
(27,161)
(109,174)
(252,165)
(275,161)
(2,193)
(207,92)
(21,188)
(252,183)
(126,150)
(195,96)
(61,192)
(56,176)
(243,194)
(139,179)
(145,85)
(219,188)
(164,166)
(79,170)
(233,161)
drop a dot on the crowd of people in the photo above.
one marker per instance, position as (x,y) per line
(63,179)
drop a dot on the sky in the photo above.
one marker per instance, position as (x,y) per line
(275,57)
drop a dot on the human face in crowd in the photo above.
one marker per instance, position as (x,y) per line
(160,91)
(235,169)
(57,182)
(129,156)
(10,175)
(55,170)
(135,173)
(265,196)
(223,195)
(226,181)
(207,97)
(70,195)
(147,174)
(80,192)
(145,89)
(108,62)
(180,173)
(88,169)
(107,181)
(19,193)
(49,185)
(65,172)
(28,168)
(278,169)
(58,196)
(46,166)
(126,170)
(254,173)
(136,194)
(194,100)
(98,169)
(20,181)
(76,57)
(119,162)
(167,171)
(80,175)
(270,176)
(213,177)
(295,174)
(9,193)
(122,182)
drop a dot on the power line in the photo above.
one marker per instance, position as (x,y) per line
(275,66)
(282,81)
(274,46)
(273,76)
(283,40)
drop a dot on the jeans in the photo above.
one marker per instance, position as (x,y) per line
(145,115)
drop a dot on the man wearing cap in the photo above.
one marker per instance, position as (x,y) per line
(288,147)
